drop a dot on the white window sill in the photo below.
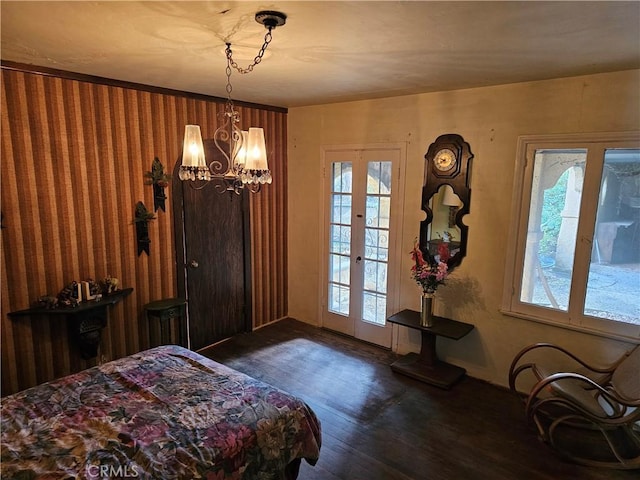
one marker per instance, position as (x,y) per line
(578,328)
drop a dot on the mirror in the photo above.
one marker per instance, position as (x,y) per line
(444,235)
(445,200)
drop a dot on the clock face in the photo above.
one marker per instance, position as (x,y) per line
(444,160)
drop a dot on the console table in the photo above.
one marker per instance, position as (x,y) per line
(85,321)
(425,366)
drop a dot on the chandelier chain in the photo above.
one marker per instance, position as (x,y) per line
(229,88)
(257,59)
(244,151)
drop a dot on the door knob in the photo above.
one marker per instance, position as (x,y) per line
(193,264)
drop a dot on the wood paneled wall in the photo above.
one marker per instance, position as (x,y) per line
(74,154)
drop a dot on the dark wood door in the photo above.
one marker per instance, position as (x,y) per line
(212,258)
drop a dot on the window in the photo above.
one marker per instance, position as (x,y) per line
(574,256)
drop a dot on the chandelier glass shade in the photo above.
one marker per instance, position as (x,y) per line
(244,151)
(193,165)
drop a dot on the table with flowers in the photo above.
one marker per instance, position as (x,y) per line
(429,273)
(425,366)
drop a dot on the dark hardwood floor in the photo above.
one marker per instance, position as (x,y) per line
(379,425)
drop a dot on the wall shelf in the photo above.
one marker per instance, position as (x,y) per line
(85,321)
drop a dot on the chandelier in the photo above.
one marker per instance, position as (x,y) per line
(244,151)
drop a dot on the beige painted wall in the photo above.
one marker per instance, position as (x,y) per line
(490,119)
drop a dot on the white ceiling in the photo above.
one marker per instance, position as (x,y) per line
(328,51)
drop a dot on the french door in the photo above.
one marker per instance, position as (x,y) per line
(361,222)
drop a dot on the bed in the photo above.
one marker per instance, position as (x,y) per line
(165,413)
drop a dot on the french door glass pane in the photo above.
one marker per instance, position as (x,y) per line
(342,177)
(375,276)
(380,176)
(341,208)
(376,244)
(339,299)
(340,238)
(556,194)
(374,307)
(378,210)
(613,287)
(339,269)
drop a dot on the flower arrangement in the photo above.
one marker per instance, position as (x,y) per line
(428,275)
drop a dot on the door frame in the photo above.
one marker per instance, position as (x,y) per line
(396,225)
(177,204)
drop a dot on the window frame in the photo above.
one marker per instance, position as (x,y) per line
(573,318)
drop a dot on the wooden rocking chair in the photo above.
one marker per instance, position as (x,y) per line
(591,416)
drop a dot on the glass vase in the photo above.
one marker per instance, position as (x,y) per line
(426,314)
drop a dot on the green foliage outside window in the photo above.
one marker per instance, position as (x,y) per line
(551,217)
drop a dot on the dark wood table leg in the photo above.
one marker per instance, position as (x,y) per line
(426,367)
(183,326)
(165,330)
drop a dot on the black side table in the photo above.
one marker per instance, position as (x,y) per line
(165,310)
(426,366)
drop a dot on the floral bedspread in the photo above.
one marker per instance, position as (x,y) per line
(166,413)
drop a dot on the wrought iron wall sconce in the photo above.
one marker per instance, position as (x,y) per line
(142,218)
(159,180)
